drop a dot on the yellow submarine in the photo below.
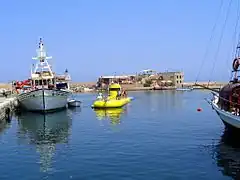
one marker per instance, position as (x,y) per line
(113,100)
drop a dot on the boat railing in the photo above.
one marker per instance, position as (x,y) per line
(221,105)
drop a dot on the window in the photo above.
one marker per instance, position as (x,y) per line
(180,81)
(177,82)
(44,82)
(177,77)
(36,83)
(180,76)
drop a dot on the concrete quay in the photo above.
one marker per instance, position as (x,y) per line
(7,106)
(201,85)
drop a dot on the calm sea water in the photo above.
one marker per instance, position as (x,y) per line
(159,135)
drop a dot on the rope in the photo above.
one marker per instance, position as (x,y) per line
(209,41)
(235,32)
(234,38)
(220,40)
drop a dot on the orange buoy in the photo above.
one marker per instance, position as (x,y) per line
(199,109)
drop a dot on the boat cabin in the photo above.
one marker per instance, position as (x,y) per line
(114,90)
(229,96)
(49,82)
(43,76)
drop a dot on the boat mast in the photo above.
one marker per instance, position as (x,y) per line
(236,63)
(42,58)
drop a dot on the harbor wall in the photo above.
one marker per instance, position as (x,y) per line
(140,87)
(212,85)
(7,106)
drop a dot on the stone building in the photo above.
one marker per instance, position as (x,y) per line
(176,78)
(104,81)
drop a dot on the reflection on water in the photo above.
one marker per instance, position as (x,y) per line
(4,125)
(45,131)
(170,98)
(228,154)
(114,114)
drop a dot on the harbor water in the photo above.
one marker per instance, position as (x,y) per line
(159,135)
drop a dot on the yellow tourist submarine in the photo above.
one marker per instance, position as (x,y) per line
(116,98)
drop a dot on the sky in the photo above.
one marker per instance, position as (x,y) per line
(92,38)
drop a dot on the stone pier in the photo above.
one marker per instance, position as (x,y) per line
(7,106)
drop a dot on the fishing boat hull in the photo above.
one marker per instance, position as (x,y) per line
(111,103)
(43,100)
(229,119)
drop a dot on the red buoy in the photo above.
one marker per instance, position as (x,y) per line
(199,109)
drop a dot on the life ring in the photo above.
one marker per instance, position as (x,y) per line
(236,63)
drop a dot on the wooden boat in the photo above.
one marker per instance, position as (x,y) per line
(226,100)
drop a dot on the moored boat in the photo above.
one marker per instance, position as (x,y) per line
(43,93)
(184,89)
(226,101)
(74,103)
(115,99)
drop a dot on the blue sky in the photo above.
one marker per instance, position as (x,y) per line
(93,37)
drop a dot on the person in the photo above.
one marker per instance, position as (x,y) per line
(235,102)
(100,97)
(238,105)
(4,93)
(123,94)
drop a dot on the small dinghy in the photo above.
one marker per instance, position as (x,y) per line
(74,103)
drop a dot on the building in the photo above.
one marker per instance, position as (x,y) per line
(175,78)
(147,72)
(122,79)
(145,76)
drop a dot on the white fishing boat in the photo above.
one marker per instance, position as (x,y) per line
(44,94)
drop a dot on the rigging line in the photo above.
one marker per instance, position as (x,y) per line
(235,38)
(237,46)
(235,31)
(210,39)
(220,40)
